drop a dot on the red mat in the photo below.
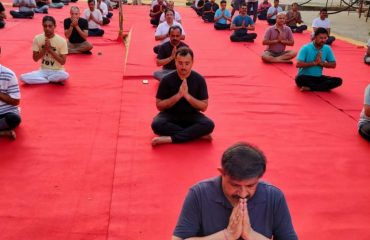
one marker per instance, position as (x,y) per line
(314,152)
(56,178)
(83,168)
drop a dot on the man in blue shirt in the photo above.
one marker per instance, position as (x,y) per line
(241,24)
(222,15)
(237,204)
(311,60)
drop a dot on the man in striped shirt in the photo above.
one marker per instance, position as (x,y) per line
(9,101)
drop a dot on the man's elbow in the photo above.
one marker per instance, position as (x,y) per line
(182,37)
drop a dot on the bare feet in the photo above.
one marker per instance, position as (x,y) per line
(9,134)
(161,140)
(303,89)
(207,137)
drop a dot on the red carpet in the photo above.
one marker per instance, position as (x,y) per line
(83,168)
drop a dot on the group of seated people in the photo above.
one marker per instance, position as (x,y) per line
(51,50)
(312,59)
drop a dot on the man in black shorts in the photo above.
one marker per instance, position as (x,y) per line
(180,97)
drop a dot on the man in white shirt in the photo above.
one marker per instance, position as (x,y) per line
(323,22)
(103,8)
(161,34)
(94,18)
(171,5)
(272,12)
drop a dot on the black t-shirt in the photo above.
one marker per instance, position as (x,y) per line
(2,9)
(75,36)
(170,86)
(165,51)
(208,6)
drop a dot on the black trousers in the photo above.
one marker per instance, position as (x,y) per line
(154,21)
(298,29)
(182,128)
(9,121)
(2,24)
(249,37)
(220,26)
(17,14)
(322,83)
(330,40)
(208,17)
(365,131)
(271,21)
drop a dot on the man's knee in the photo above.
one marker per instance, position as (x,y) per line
(2,24)
(13,120)
(208,125)
(157,124)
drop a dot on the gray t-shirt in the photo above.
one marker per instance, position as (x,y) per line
(24,8)
(363,118)
(206,210)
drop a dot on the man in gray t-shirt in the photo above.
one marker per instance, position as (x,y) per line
(364,122)
(26,8)
(237,204)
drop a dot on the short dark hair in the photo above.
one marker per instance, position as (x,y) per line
(183,51)
(243,161)
(89,1)
(174,27)
(49,18)
(222,1)
(169,10)
(324,10)
(321,30)
(243,5)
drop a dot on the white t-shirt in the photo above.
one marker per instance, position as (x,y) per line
(98,16)
(317,23)
(163,28)
(272,9)
(177,17)
(104,8)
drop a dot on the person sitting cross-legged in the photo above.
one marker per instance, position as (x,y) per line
(161,33)
(42,6)
(222,16)
(294,18)
(94,18)
(9,101)
(311,60)
(52,50)
(156,12)
(181,96)
(177,17)
(364,122)
(26,9)
(209,11)
(241,24)
(167,52)
(277,38)
(262,10)
(272,12)
(76,31)
(323,22)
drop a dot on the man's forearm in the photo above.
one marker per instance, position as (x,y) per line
(68,32)
(59,58)
(81,32)
(305,64)
(200,105)
(164,61)
(8,100)
(167,103)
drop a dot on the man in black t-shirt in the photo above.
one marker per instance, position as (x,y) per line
(181,96)
(209,11)
(2,16)
(76,31)
(167,51)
